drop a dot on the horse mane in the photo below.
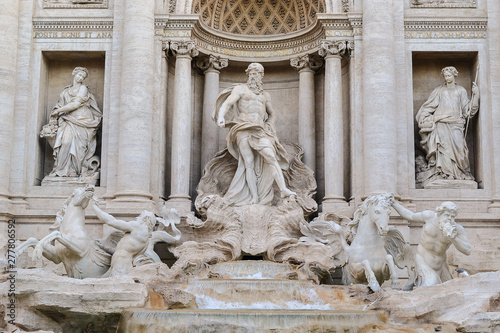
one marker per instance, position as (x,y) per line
(61,212)
(363,210)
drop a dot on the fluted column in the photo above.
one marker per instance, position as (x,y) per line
(306,66)
(9,22)
(379,105)
(136,119)
(182,126)
(333,122)
(211,67)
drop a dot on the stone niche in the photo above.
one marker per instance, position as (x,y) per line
(426,73)
(281,81)
(56,73)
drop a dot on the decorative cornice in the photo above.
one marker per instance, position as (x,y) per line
(306,62)
(445,29)
(62,25)
(184,48)
(253,47)
(449,25)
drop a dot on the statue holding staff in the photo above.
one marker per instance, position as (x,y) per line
(441,121)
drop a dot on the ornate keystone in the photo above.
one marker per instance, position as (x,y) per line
(184,47)
(329,47)
(212,61)
(306,62)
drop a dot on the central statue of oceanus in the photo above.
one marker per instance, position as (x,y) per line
(246,111)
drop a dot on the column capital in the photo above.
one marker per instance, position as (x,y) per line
(184,48)
(212,62)
(306,62)
(165,47)
(332,48)
(350,48)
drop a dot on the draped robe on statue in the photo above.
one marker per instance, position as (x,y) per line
(441,120)
(261,135)
(76,139)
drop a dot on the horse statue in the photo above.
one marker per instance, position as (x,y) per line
(81,256)
(372,248)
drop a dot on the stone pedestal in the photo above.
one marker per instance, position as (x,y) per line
(451,184)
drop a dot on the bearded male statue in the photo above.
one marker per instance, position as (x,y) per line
(247,112)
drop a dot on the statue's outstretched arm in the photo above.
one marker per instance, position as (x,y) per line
(408,214)
(110,220)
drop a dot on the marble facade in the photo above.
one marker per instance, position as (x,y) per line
(346,79)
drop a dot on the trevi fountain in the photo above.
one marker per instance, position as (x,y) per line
(250,166)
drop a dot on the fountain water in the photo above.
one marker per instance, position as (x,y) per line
(256,296)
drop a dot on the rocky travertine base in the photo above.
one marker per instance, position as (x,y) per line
(471,303)
(52,303)
(45,301)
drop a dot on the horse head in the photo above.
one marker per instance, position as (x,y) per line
(79,198)
(82,196)
(377,209)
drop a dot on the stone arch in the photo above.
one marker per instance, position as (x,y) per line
(258,17)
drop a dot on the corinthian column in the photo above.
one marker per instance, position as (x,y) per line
(307,124)
(179,198)
(136,118)
(333,122)
(379,105)
(9,22)
(211,67)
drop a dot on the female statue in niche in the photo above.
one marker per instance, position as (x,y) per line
(442,120)
(72,130)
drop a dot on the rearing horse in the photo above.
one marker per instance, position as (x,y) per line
(368,257)
(81,255)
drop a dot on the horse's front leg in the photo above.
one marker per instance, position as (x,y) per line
(389,260)
(370,276)
(43,247)
(72,245)
(30,242)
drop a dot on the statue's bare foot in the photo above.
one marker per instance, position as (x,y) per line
(254,201)
(285,193)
